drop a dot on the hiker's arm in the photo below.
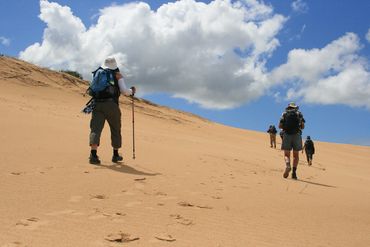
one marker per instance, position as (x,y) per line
(281,121)
(302,122)
(122,85)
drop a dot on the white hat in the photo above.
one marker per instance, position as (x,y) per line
(292,105)
(110,63)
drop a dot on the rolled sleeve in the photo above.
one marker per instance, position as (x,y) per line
(123,88)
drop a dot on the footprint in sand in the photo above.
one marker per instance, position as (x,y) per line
(17,173)
(181,220)
(30,223)
(187,204)
(164,196)
(128,193)
(165,237)
(120,237)
(98,214)
(118,217)
(98,197)
(217,197)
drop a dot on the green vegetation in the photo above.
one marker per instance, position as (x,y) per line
(72,73)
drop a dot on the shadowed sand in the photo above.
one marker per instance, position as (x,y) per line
(193,182)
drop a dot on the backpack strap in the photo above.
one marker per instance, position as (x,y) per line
(95,71)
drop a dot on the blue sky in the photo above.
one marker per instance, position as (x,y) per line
(236,64)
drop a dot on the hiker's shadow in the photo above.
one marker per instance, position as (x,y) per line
(124,168)
(319,184)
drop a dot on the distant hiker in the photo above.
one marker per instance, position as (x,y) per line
(105,88)
(272,131)
(292,122)
(309,148)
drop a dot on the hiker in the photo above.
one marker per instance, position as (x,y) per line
(292,123)
(309,148)
(272,131)
(106,107)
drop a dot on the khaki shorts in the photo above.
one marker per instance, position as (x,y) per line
(292,142)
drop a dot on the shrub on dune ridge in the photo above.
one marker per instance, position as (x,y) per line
(73,73)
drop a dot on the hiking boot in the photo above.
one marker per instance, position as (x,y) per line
(294,175)
(94,160)
(286,173)
(117,158)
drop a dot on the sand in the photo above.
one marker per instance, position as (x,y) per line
(193,182)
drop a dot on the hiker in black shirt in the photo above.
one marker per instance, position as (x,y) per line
(309,148)
(292,122)
(272,131)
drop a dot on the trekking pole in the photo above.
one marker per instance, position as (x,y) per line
(133,128)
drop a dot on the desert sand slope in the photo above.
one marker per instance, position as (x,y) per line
(193,183)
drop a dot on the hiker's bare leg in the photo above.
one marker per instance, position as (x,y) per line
(287,157)
(270,140)
(94,147)
(295,158)
(287,163)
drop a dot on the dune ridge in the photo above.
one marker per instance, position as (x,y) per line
(193,183)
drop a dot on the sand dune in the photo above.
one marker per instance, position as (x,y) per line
(193,182)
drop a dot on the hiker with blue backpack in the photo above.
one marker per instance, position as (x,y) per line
(105,88)
(292,123)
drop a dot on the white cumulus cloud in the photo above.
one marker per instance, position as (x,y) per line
(299,6)
(335,74)
(368,35)
(212,54)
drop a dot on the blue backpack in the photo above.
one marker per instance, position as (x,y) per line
(102,85)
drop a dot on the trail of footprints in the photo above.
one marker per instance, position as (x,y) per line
(96,213)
